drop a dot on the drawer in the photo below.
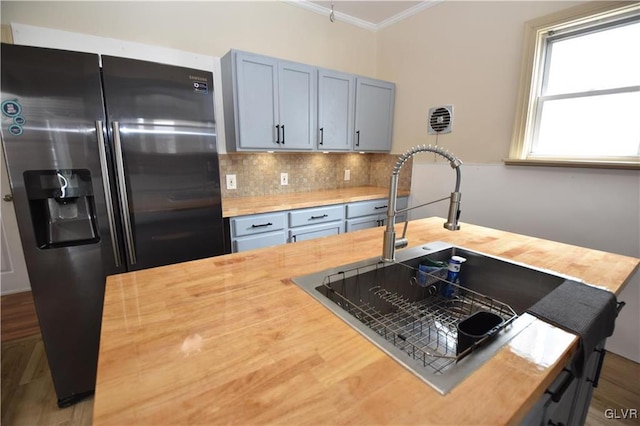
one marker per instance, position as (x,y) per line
(256,224)
(367,208)
(379,206)
(253,242)
(314,216)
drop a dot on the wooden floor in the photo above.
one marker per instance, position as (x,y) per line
(28,397)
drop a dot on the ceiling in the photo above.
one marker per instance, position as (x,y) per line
(372,15)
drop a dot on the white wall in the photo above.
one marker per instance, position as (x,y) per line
(210,28)
(599,210)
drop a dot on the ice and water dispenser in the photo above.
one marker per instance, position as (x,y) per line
(62,207)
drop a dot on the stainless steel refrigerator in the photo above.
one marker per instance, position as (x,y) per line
(113,168)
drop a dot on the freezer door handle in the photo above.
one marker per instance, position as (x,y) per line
(122,192)
(107,192)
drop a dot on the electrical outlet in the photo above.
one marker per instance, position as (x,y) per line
(284,179)
(231,182)
(347,174)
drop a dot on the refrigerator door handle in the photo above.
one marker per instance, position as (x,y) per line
(107,192)
(122,191)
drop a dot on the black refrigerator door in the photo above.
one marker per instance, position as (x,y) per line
(51,109)
(163,137)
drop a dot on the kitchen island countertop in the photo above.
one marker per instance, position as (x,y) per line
(240,206)
(232,340)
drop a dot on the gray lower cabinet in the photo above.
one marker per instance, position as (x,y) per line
(257,231)
(306,224)
(369,214)
(566,401)
(269,229)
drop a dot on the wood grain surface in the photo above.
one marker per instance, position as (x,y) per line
(241,206)
(18,316)
(231,340)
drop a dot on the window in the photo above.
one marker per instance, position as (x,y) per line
(580,90)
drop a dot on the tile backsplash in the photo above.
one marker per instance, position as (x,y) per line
(259,173)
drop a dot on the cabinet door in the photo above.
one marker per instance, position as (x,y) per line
(315,231)
(374,114)
(297,89)
(363,223)
(336,100)
(257,102)
(253,242)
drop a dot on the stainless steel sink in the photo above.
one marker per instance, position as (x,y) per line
(404,312)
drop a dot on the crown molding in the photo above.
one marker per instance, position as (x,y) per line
(407,13)
(343,17)
(348,19)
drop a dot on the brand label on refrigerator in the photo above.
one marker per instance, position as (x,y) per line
(12,109)
(200,87)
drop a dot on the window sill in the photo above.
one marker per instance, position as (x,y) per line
(590,164)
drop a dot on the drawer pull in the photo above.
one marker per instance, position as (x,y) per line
(262,225)
(558,392)
(596,378)
(318,217)
(380,207)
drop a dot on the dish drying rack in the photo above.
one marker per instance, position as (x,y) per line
(412,314)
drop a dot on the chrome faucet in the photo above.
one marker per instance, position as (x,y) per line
(389,243)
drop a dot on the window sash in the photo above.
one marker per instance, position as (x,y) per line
(539,34)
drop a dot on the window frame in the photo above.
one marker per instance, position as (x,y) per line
(583,18)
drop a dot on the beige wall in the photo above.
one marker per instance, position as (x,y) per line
(211,28)
(462,53)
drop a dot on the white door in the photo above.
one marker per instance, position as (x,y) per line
(13,270)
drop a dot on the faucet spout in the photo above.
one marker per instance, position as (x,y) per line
(390,243)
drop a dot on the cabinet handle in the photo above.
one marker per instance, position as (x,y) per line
(262,225)
(321,135)
(318,217)
(557,394)
(277,133)
(8,198)
(380,207)
(596,379)
(122,190)
(358,138)
(282,134)
(102,154)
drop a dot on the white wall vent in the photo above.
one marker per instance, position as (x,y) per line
(440,120)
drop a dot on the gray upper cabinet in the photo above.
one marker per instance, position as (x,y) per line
(297,91)
(276,105)
(269,104)
(336,101)
(374,114)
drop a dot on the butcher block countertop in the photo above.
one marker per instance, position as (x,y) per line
(241,206)
(232,340)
